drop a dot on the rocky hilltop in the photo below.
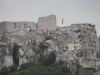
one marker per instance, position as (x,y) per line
(75,44)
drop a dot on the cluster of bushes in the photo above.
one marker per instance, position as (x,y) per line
(91,68)
(6,71)
(38,69)
(47,60)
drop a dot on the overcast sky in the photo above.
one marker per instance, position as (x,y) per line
(73,11)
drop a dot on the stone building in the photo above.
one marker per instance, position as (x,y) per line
(47,22)
(43,23)
(15,26)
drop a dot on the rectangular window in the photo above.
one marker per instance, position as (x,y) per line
(25,26)
(15,25)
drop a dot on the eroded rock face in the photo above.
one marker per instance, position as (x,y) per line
(77,43)
(6,58)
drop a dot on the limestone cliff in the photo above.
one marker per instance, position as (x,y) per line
(77,43)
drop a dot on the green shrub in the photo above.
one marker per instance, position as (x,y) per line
(38,69)
(90,68)
(16,48)
(6,71)
(48,59)
(12,68)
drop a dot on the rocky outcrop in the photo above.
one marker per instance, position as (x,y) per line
(6,58)
(77,43)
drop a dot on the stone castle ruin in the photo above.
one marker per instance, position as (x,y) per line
(77,43)
(43,23)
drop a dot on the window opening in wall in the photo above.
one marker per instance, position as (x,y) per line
(79,36)
(29,28)
(19,26)
(15,25)
(25,26)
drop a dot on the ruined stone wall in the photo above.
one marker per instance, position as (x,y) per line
(16,26)
(43,23)
(10,26)
(21,25)
(32,25)
(2,28)
(47,22)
